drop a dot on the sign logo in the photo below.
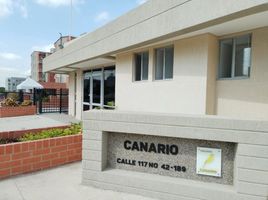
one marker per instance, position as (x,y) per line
(208,161)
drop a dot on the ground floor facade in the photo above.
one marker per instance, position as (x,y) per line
(147,134)
(173,98)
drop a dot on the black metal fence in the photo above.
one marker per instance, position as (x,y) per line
(18,96)
(46,100)
(51,100)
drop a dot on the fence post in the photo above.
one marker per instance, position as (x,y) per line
(60,100)
(40,100)
(34,96)
(21,95)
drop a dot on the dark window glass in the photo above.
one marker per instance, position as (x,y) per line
(141,66)
(159,65)
(86,98)
(164,62)
(109,87)
(96,88)
(242,56)
(235,57)
(226,56)
(145,65)
(86,107)
(86,87)
(169,54)
(138,67)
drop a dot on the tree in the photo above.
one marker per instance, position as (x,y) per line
(2,89)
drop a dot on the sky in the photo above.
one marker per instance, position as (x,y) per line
(29,25)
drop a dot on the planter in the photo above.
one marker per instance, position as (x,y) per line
(25,157)
(18,134)
(17,111)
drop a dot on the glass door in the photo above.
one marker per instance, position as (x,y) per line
(96,90)
(99,89)
(87,96)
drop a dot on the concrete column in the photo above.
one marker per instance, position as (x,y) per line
(71,110)
(79,94)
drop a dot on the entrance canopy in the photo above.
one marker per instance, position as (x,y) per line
(29,84)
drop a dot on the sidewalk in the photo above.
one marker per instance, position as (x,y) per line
(56,184)
(34,122)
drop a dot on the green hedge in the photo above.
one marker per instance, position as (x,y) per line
(72,130)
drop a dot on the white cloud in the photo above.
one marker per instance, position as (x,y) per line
(9,56)
(56,3)
(23,11)
(27,72)
(6,72)
(103,16)
(141,2)
(45,48)
(7,69)
(8,7)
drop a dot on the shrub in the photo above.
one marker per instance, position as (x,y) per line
(9,102)
(13,96)
(72,130)
(26,103)
(7,140)
(111,103)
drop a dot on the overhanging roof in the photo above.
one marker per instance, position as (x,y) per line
(154,21)
(85,64)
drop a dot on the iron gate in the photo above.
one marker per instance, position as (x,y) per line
(51,100)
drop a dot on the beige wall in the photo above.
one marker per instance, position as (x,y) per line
(213,55)
(185,93)
(248,97)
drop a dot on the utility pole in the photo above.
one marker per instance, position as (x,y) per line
(71,19)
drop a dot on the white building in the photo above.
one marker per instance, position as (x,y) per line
(166,66)
(13,82)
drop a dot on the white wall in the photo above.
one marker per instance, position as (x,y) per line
(79,93)
(71,110)
(185,93)
(248,97)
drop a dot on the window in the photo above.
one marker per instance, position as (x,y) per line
(141,66)
(164,63)
(99,88)
(109,87)
(235,57)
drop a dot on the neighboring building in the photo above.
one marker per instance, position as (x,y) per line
(13,82)
(37,66)
(166,66)
(59,44)
(37,73)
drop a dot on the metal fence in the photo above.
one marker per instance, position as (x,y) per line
(46,100)
(18,96)
(52,100)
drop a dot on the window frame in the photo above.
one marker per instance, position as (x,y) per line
(135,66)
(233,66)
(164,63)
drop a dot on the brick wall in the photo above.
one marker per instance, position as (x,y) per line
(17,111)
(24,157)
(50,85)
